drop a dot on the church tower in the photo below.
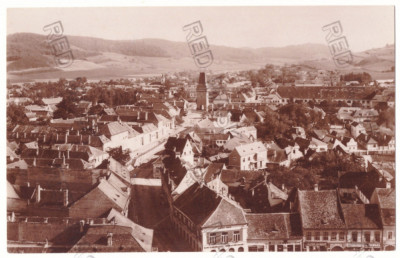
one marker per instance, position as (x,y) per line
(202,93)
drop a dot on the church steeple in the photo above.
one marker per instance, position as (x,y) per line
(202,93)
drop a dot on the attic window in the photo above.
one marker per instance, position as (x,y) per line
(275,228)
(324,222)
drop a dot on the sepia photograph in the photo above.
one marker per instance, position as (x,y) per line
(200,129)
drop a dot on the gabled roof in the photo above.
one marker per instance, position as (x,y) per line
(176,144)
(361,216)
(212,171)
(320,210)
(207,209)
(273,226)
(95,240)
(251,148)
(387,198)
(114,128)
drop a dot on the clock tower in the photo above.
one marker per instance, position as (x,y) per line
(202,93)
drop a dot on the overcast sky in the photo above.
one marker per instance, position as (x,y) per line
(364,27)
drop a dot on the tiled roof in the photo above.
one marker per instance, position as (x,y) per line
(198,203)
(177,144)
(95,240)
(212,171)
(273,226)
(113,193)
(361,216)
(251,148)
(114,128)
(207,209)
(387,197)
(226,214)
(319,210)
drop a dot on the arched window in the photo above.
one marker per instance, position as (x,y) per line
(240,249)
(231,250)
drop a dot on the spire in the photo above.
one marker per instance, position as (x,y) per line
(202,78)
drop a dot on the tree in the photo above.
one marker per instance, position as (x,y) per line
(16,115)
(122,156)
(67,108)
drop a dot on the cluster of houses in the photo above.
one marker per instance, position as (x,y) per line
(63,180)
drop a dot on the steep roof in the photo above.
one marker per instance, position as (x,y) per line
(387,198)
(361,216)
(113,128)
(319,210)
(95,240)
(177,144)
(212,171)
(273,226)
(207,209)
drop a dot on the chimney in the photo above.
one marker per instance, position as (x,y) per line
(81,139)
(283,187)
(316,187)
(202,78)
(17,135)
(34,162)
(77,132)
(38,190)
(66,137)
(65,191)
(81,225)
(68,154)
(63,160)
(57,137)
(109,239)
(89,140)
(37,151)
(44,138)
(388,185)
(146,116)
(24,135)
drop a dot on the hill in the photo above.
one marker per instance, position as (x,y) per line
(29,56)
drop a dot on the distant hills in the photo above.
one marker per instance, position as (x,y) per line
(29,55)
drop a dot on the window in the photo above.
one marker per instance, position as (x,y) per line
(390,235)
(236,236)
(280,248)
(308,236)
(271,248)
(317,236)
(377,236)
(354,236)
(290,248)
(260,248)
(224,237)
(297,248)
(333,236)
(341,236)
(367,236)
(213,237)
(253,248)
(326,235)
